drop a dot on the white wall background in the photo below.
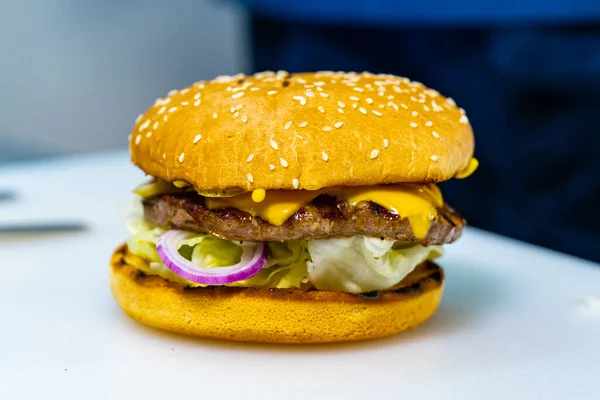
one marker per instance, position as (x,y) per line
(74,74)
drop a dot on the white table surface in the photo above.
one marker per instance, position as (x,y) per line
(517,321)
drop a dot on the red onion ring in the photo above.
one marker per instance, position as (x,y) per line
(254,257)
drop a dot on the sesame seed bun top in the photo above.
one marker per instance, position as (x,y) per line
(302,131)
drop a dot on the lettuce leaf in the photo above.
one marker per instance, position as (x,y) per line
(354,265)
(360,264)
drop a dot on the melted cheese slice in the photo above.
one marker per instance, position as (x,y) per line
(417,202)
(275,206)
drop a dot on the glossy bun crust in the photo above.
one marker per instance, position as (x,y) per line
(275,315)
(307,131)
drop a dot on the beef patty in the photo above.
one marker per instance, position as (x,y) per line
(323,218)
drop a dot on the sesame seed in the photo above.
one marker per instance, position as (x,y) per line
(369,100)
(359,89)
(239,107)
(340,111)
(271,92)
(250,178)
(244,118)
(162,110)
(413,98)
(327,129)
(381,93)
(197,138)
(435,134)
(341,104)
(165,118)
(139,118)
(173,92)
(414,124)
(181,157)
(300,80)
(404,106)
(381,106)
(184,91)
(302,124)
(164,156)
(138,138)
(271,167)
(414,113)
(250,157)
(288,125)
(155,125)
(379,114)
(397,89)
(144,125)
(295,183)
(428,123)
(324,156)
(386,143)
(321,109)
(254,89)
(391,97)
(421,101)
(172,109)
(309,93)
(301,99)
(283,162)
(451,101)
(197,103)
(374,154)
(319,83)
(354,98)
(232,110)
(184,103)
(215,115)
(363,110)
(425,108)
(354,105)
(434,158)
(338,125)
(237,95)
(323,94)
(273,144)
(197,96)
(236,114)
(463,119)
(462,111)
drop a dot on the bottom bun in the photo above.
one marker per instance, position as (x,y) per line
(275,315)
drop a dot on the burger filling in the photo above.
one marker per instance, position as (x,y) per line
(341,239)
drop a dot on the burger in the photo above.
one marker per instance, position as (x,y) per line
(292,208)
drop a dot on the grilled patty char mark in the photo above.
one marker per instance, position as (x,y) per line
(323,218)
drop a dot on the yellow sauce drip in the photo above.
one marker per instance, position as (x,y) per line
(258,195)
(469,169)
(416,202)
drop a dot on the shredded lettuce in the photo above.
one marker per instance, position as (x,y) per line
(286,265)
(354,265)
